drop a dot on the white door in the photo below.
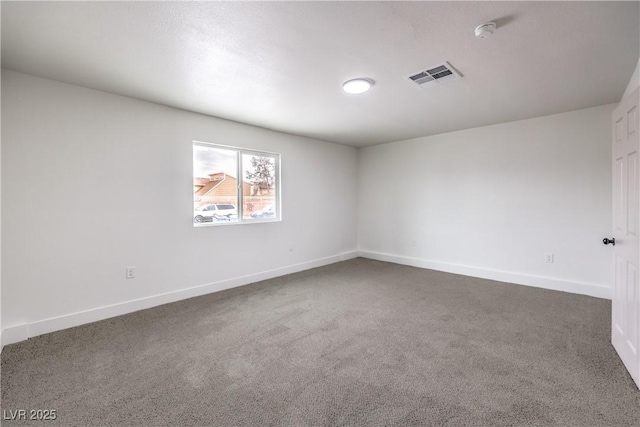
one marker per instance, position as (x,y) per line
(625,328)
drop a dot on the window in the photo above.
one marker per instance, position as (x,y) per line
(234,185)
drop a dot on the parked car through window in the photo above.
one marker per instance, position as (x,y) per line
(215,212)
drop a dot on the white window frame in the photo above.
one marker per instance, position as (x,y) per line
(240,191)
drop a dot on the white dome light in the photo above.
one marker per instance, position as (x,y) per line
(357,85)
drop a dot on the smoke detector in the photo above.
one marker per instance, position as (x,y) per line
(485,30)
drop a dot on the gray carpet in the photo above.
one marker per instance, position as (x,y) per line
(355,343)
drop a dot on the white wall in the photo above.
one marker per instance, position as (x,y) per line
(493,201)
(634,82)
(0,218)
(94,182)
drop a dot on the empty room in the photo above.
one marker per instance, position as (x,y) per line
(320,213)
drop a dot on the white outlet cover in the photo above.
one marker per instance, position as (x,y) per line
(130,272)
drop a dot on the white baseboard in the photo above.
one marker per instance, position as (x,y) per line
(29,330)
(589,289)
(15,334)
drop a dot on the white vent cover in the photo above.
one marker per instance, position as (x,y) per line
(438,74)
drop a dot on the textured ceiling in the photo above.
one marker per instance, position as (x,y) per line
(281,65)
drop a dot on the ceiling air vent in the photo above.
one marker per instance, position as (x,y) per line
(437,74)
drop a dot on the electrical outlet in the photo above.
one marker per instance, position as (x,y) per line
(291,247)
(131,272)
(414,243)
(550,258)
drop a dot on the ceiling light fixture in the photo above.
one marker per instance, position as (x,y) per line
(485,30)
(357,85)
